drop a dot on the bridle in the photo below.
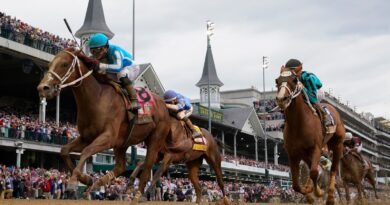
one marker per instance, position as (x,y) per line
(75,64)
(298,88)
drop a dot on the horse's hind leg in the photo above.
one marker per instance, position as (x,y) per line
(213,158)
(163,167)
(76,145)
(193,169)
(133,175)
(336,146)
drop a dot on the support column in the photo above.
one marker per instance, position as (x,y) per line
(256,153)
(58,110)
(19,152)
(235,145)
(276,155)
(42,110)
(223,141)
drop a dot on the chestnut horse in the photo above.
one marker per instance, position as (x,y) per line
(303,135)
(180,137)
(352,171)
(102,119)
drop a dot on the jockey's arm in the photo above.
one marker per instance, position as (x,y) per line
(172,107)
(359,147)
(116,67)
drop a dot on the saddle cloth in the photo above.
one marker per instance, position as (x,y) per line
(145,100)
(332,127)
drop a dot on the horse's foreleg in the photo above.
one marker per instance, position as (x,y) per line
(337,148)
(294,167)
(76,145)
(371,179)
(314,171)
(120,167)
(346,187)
(193,169)
(102,142)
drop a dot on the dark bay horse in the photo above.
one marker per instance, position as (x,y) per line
(180,138)
(352,171)
(303,136)
(101,118)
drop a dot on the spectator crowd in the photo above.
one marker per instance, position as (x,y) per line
(38,183)
(16,30)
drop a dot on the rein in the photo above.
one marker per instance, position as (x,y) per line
(71,70)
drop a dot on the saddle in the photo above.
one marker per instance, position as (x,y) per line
(198,145)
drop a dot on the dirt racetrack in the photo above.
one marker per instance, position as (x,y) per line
(84,202)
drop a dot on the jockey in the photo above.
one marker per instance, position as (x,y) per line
(311,84)
(182,106)
(119,61)
(354,144)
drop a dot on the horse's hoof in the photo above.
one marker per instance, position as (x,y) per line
(306,190)
(226,200)
(309,198)
(318,192)
(330,202)
(136,198)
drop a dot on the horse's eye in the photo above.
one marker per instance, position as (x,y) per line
(64,65)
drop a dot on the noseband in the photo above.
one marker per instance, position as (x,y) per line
(75,64)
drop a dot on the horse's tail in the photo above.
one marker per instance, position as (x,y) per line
(220,144)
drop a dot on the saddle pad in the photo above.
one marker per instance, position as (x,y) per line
(147,105)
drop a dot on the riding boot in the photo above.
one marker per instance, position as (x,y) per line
(195,132)
(326,121)
(128,85)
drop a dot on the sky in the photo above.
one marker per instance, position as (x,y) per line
(345,43)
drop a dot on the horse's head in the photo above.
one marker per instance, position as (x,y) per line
(289,87)
(64,70)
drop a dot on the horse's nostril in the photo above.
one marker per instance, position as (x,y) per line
(46,88)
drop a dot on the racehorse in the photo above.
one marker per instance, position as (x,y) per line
(102,119)
(303,133)
(180,137)
(352,171)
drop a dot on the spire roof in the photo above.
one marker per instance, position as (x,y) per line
(94,21)
(209,71)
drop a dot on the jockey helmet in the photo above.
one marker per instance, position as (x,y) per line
(348,136)
(98,40)
(293,64)
(170,96)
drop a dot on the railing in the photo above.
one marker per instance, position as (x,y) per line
(26,39)
(13,133)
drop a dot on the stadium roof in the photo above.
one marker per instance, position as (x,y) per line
(244,119)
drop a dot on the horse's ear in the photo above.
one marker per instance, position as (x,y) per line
(282,68)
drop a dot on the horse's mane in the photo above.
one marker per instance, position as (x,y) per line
(88,62)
